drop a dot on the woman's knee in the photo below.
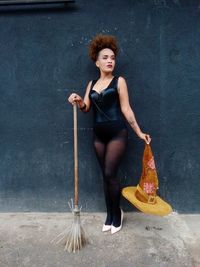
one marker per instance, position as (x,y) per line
(110,176)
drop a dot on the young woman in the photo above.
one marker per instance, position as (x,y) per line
(108,97)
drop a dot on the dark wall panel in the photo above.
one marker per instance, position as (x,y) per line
(43,52)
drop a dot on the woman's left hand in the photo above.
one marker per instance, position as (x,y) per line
(145,137)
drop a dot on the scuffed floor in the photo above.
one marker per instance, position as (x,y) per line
(174,240)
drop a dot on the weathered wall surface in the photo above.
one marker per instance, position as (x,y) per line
(43,52)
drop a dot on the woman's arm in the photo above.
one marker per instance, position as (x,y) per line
(83,103)
(127,110)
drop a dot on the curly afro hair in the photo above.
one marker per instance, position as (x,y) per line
(100,42)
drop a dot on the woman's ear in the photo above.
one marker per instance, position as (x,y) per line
(97,64)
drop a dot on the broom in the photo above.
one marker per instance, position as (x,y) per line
(74,237)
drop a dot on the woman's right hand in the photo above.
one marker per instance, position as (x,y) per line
(75,98)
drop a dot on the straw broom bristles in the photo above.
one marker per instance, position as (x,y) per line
(73,238)
(76,236)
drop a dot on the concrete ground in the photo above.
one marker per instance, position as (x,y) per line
(149,241)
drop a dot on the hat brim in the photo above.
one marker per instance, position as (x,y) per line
(160,208)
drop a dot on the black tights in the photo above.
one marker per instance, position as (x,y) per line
(109,154)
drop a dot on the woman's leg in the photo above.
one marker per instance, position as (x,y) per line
(114,152)
(109,155)
(100,149)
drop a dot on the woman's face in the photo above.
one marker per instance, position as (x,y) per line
(106,60)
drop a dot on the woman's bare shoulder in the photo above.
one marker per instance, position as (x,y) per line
(89,83)
(121,81)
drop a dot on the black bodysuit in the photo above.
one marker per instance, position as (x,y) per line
(110,138)
(108,119)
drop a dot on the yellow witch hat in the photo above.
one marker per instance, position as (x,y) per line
(143,196)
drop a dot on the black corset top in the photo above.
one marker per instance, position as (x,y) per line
(106,105)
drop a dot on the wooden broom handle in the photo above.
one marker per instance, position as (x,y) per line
(75,155)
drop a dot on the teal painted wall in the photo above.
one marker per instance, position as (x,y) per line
(43,52)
